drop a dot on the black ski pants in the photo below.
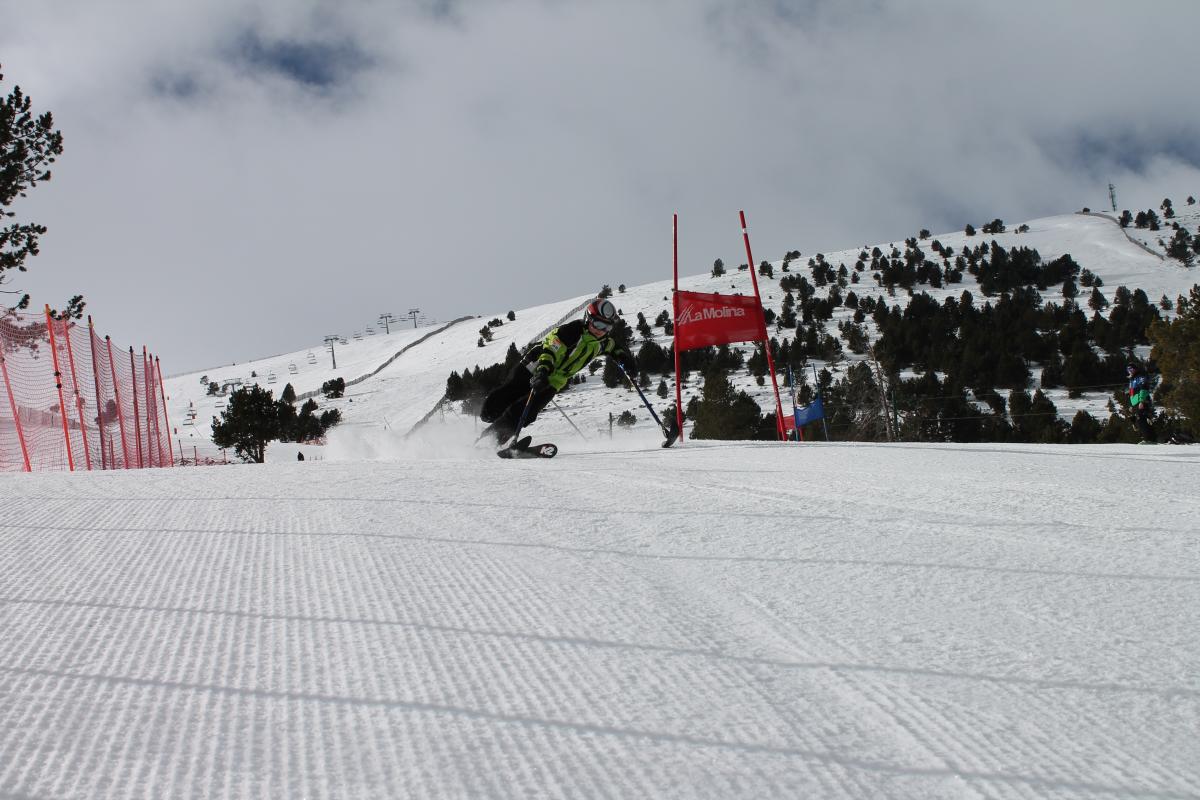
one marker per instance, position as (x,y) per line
(1143,417)
(506,402)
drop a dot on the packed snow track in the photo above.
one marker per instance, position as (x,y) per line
(711,621)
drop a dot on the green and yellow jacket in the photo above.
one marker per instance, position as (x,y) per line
(568,349)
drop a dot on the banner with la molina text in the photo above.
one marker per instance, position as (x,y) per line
(706,320)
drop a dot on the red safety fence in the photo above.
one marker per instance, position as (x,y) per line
(73,400)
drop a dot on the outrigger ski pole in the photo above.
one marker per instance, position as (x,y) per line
(568,419)
(671,433)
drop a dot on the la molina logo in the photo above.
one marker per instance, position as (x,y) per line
(689,314)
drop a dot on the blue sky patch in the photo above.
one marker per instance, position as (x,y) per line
(318,65)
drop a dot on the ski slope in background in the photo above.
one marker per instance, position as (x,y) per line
(718,620)
(396,379)
(406,390)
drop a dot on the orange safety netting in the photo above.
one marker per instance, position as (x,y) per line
(71,400)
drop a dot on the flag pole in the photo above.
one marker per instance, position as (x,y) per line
(765,335)
(675,321)
(791,379)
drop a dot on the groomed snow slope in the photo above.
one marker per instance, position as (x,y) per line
(395,379)
(717,620)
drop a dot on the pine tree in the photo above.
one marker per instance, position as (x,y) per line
(612,374)
(305,425)
(287,420)
(455,387)
(1181,247)
(329,418)
(643,327)
(511,356)
(1176,351)
(250,421)
(653,358)
(28,146)
(722,412)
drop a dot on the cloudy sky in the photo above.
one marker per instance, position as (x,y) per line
(242,178)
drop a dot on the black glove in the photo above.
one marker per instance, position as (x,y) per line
(540,381)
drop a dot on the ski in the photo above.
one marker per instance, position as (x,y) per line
(523,449)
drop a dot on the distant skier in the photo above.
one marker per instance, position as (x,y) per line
(548,366)
(1140,403)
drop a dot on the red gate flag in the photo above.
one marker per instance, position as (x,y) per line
(704,320)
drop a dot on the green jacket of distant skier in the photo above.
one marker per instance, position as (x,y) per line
(1139,389)
(568,349)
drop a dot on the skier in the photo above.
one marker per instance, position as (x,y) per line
(548,366)
(1139,402)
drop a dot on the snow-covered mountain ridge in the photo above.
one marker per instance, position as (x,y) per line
(404,392)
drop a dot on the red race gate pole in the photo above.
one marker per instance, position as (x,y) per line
(16,412)
(167,420)
(153,449)
(79,405)
(96,379)
(62,404)
(765,335)
(148,401)
(137,422)
(675,320)
(112,367)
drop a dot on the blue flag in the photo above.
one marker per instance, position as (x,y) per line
(810,413)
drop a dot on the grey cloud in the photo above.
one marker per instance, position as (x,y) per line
(536,149)
(175,84)
(1098,150)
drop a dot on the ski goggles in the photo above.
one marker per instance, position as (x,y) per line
(599,324)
